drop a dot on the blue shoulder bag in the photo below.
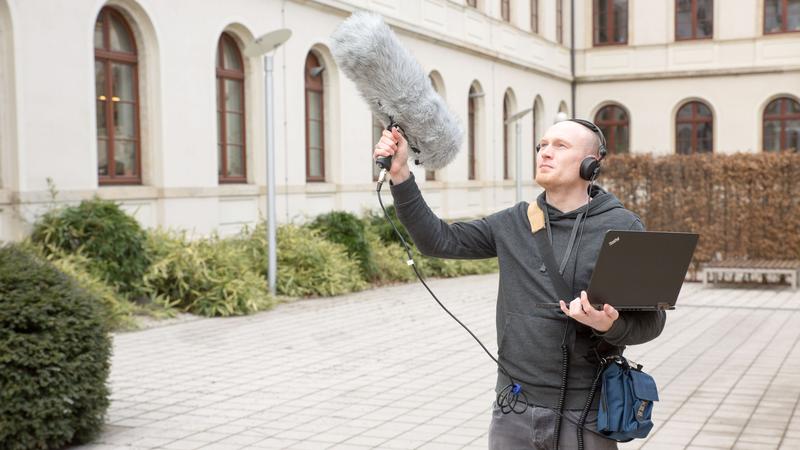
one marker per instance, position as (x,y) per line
(626,400)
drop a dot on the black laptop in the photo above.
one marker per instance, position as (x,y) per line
(641,270)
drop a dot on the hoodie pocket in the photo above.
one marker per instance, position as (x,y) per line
(530,348)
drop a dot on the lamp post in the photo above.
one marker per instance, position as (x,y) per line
(264,45)
(518,157)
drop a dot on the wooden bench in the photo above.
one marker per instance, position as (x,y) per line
(715,272)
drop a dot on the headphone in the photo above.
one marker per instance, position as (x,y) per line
(590,166)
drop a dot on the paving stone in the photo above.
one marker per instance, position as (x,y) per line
(388,369)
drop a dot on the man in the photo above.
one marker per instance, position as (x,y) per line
(532,337)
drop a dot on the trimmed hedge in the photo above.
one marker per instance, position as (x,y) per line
(744,205)
(54,356)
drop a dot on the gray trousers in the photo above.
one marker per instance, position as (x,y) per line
(535,428)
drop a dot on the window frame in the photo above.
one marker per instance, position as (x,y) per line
(505,10)
(107,57)
(506,130)
(693,36)
(472,109)
(782,117)
(534,16)
(784,22)
(612,28)
(320,89)
(694,120)
(612,125)
(223,74)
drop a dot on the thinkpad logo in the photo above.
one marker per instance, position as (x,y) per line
(613,242)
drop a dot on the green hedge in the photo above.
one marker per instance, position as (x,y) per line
(54,355)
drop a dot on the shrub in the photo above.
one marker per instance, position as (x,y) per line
(54,356)
(112,241)
(377,223)
(390,261)
(743,205)
(448,268)
(210,277)
(348,230)
(117,311)
(310,265)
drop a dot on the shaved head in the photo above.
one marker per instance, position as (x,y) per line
(584,137)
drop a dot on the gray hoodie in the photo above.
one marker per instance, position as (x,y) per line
(529,335)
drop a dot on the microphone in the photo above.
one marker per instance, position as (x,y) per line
(396,89)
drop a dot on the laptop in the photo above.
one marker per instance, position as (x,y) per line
(641,270)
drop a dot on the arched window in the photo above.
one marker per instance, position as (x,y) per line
(506,135)
(472,108)
(472,3)
(315,122)
(534,16)
(782,125)
(613,122)
(231,145)
(505,10)
(781,16)
(117,100)
(694,129)
(610,22)
(694,19)
(436,82)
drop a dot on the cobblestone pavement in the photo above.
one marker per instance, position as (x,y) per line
(387,368)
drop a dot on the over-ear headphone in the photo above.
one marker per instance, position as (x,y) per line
(590,166)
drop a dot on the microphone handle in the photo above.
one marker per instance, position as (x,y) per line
(385,162)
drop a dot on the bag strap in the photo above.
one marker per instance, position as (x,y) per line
(536,218)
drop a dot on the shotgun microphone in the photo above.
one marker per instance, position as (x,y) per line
(396,89)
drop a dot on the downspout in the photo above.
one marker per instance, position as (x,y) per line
(573,84)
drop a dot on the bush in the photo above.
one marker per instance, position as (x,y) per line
(344,228)
(743,205)
(310,265)
(117,311)
(377,223)
(448,268)
(390,261)
(210,277)
(112,241)
(54,356)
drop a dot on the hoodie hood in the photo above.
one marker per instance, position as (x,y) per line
(602,201)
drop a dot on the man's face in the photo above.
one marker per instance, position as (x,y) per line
(563,147)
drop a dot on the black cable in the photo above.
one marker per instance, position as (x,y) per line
(509,397)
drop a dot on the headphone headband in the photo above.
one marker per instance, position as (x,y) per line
(596,130)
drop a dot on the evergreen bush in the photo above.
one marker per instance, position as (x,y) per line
(348,230)
(54,356)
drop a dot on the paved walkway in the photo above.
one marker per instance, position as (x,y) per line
(388,369)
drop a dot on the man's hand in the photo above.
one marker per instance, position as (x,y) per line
(581,310)
(394,144)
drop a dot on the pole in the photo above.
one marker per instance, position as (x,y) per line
(271,231)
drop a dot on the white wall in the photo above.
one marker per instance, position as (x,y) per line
(51,118)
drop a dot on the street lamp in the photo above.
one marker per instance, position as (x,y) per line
(264,45)
(518,158)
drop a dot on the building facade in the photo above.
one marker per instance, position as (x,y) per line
(152,103)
